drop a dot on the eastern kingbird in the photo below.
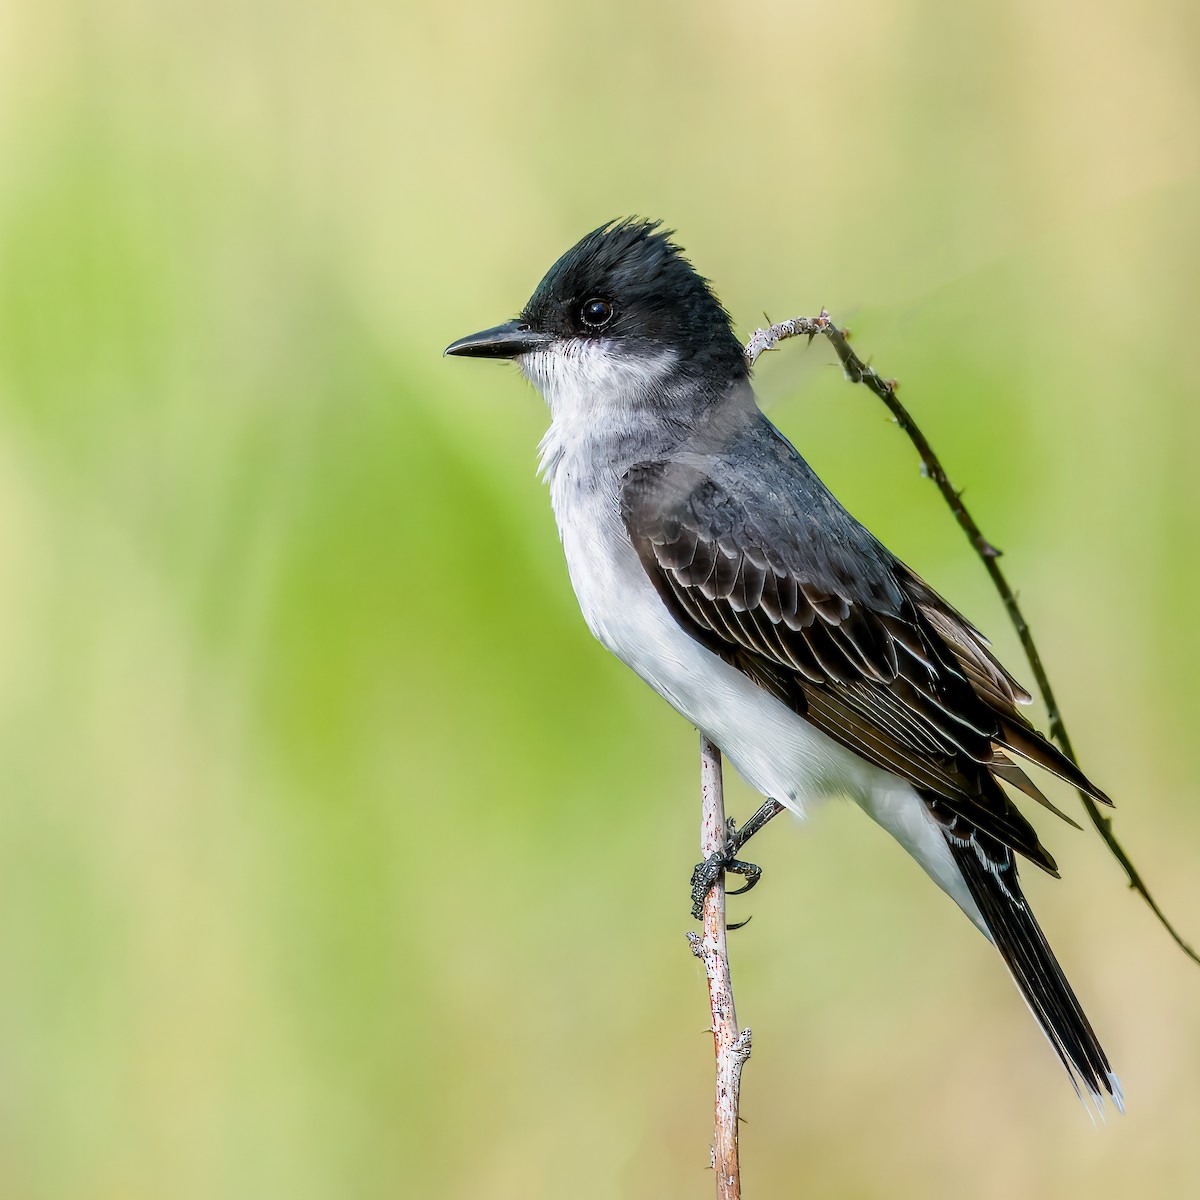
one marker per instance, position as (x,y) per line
(708,556)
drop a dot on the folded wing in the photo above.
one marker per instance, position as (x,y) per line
(814,610)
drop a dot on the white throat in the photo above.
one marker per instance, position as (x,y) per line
(598,395)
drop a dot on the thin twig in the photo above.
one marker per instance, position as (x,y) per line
(731,1046)
(859,372)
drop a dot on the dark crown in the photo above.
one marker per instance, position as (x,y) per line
(657,296)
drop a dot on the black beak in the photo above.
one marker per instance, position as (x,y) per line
(503,341)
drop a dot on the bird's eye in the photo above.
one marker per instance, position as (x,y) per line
(596,313)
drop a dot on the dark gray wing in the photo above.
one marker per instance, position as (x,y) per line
(797,595)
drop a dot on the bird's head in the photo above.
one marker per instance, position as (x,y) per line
(623,301)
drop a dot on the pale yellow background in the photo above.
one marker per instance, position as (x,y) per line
(335,859)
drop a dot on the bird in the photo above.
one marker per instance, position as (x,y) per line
(707,555)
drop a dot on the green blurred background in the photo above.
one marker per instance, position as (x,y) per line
(335,859)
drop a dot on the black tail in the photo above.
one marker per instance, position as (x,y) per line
(991,877)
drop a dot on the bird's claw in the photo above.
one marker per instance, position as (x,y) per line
(719,863)
(726,861)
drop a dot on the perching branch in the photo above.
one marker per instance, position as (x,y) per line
(859,372)
(732,1047)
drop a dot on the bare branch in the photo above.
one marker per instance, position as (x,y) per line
(731,1046)
(859,372)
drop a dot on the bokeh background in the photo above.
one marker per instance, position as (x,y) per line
(335,859)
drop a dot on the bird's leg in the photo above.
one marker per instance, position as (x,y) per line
(765,813)
(707,872)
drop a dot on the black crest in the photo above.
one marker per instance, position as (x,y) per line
(654,296)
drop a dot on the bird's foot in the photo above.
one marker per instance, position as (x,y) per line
(725,861)
(713,867)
